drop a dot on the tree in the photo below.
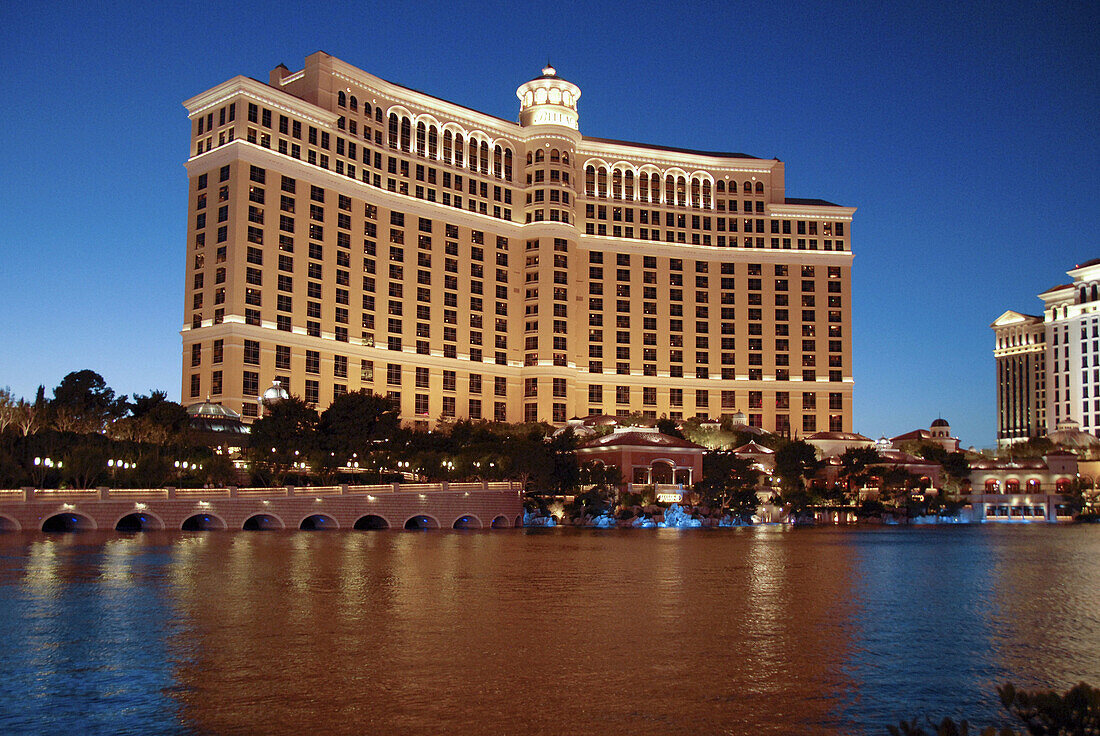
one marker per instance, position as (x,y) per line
(219,471)
(724,474)
(85,463)
(152,419)
(84,403)
(604,478)
(9,409)
(854,463)
(353,422)
(669,427)
(794,462)
(564,468)
(30,417)
(956,468)
(285,435)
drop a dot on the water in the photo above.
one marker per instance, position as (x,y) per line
(742,631)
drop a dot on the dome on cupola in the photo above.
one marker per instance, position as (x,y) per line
(274,394)
(548,100)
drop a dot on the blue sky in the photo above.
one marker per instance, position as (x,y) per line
(966,134)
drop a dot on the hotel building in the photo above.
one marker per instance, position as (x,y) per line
(1048,367)
(348,233)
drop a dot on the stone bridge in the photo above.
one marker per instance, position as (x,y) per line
(390,506)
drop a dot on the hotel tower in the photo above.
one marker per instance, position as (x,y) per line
(1048,365)
(347,233)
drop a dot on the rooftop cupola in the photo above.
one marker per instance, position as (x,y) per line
(548,100)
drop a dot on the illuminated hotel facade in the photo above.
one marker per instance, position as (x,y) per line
(1048,366)
(347,233)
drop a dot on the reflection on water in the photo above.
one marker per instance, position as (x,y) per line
(764,630)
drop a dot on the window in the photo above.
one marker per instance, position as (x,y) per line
(251,352)
(251,383)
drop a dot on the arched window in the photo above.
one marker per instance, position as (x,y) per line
(341,99)
(617,184)
(484,157)
(460,147)
(759,187)
(643,186)
(992,485)
(601,182)
(555,156)
(393,129)
(720,187)
(696,193)
(406,135)
(529,159)
(590,181)
(748,187)
(378,114)
(421,139)
(471,160)
(447,148)
(1084,295)
(498,162)
(565,158)
(366,110)
(1093,291)
(706,193)
(538,155)
(508,164)
(1033,485)
(354,104)
(433,142)
(628,185)
(681,191)
(670,190)
(1012,486)
(654,188)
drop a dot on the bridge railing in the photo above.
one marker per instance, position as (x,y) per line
(371,489)
(200,493)
(12,495)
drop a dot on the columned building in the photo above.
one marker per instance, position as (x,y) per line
(349,233)
(1020,354)
(1048,367)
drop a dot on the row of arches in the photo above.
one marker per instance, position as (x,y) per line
(1089,293)
(674,187)
(450,143)
(1032,485)
(352,102)
(554,155)
(141,521)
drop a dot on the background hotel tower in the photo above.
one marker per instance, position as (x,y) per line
(348,233)
(1048,366)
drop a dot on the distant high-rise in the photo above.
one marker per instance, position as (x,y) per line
(1048,367)
(346,232)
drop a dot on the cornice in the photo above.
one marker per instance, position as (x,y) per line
(397,93)
(658,157)
(261,92)
(816,211)
(711,252)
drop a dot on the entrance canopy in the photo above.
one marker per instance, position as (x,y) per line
(644,455)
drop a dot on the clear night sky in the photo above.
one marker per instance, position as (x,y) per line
(967,138)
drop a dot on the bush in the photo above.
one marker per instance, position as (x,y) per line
(1043,713)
